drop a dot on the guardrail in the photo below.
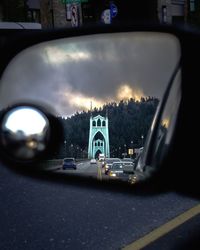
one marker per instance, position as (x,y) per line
(54,164)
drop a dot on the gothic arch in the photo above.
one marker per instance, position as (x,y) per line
(98,136)
(98,123)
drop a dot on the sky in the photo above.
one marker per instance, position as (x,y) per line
(71,73)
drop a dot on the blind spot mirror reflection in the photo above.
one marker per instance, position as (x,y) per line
(25,132)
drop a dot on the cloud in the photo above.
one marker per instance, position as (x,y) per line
(69,73)
(57,56)
(78,101)
(81,102)
(125,92)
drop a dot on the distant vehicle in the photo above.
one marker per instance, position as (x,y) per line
(128,160)
(116,170)
(69,163)
(108,164)
(101,157)
(93,161)
(20,25)
(128,167)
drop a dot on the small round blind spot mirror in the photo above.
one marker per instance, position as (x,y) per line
(25,132)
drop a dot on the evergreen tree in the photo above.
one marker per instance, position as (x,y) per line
(128,121)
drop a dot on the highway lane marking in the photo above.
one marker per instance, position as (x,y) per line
(99,173)
(164,229)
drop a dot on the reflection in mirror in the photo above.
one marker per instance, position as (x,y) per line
(24,132)
(105,89)
(168,121)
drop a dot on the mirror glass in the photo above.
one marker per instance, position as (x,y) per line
(104,88)
(24,132)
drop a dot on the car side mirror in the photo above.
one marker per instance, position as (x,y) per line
(105,89)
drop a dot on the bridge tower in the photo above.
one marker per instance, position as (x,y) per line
(98,137)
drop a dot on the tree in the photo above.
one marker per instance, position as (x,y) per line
(46,13)
(14,10)
(128,121)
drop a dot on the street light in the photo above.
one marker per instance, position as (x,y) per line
(119,154)
(65,142)
(81,153)
(77,151)
(125,153)
(132,149)
(71,149)
(132,144)
(142,137)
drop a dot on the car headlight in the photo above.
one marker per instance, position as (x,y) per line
(112,174)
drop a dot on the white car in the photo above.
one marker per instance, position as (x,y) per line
(93,161)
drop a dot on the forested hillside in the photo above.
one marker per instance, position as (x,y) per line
(129,121)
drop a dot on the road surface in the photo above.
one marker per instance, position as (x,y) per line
(45,214)
(89,170)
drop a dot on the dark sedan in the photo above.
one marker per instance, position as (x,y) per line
(69,163)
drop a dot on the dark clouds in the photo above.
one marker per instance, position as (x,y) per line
(95,67)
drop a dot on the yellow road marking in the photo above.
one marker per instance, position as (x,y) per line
(99,173)
(164,229)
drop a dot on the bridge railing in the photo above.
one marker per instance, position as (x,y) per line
(54,164)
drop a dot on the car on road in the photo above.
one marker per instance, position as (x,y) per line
(117,171)
(128,167)
(101,157)
(93,161)
(69,163)
(108,163)
(128,160)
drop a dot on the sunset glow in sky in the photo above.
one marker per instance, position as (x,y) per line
(68,74)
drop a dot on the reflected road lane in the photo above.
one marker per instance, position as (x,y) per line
(85,168)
